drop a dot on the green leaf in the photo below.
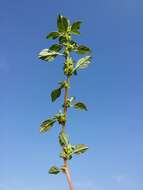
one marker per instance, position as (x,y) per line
(48,55)
(46,125)
(54,170)
(80,148)
(83,62)
(62,39)
(80,105)
(62,23)
(53,35)
(73,46)
(75,27)
(56,47)
(75,72)
(55,94)
(83,49)
(63,139)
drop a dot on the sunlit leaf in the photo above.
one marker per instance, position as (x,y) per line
(48,55)
(46,125)
(83,62)
(80,148)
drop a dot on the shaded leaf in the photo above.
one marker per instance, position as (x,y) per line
(75,44)
(62,39)
(46,125)
(75,72)
(80,148)
(80,105)
(53,35)
(56,47)
(83,49)
(75,27)
(62,23)
(55,94)
(83,62)
(54,170)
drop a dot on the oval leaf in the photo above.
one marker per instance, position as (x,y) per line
(80,148)
(55,94)
(48,55)
(83,63)
(46,125)
(53,35)
(62,23)
(75,27)
(56,47)
(81,106)
(83,49)
(54,170)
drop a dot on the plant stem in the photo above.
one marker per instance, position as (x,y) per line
(67,171)
(68,175)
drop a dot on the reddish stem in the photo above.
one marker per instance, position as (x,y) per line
(68,175)
(67,171)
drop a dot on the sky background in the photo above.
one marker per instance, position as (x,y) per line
(112,87)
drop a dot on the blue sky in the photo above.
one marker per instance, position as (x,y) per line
(112,88)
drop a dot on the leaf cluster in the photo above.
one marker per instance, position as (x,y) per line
(68,149)
(66,45)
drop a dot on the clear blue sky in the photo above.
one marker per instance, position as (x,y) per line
(112,88)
